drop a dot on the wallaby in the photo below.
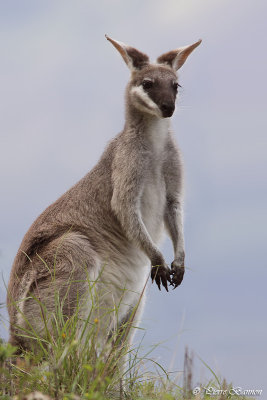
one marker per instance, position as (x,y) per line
(108,226)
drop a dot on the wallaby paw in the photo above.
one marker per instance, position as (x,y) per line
(177,273)
(162,275)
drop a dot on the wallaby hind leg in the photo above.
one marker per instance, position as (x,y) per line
(63,275)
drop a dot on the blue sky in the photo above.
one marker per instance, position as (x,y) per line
(61,101)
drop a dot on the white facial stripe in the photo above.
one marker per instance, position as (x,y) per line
(139,92)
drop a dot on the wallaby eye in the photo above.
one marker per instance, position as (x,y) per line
(176,85)
(147,84)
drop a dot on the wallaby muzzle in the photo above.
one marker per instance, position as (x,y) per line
(167,109)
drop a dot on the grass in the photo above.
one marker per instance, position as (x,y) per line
(66,375)
(64,365)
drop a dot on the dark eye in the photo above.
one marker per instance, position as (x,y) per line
(176,85)
(147,84)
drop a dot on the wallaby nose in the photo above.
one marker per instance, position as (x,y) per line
(167,109)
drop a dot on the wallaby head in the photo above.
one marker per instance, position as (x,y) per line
(153,87)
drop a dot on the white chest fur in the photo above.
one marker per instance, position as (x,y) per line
(153,198)
(156,135)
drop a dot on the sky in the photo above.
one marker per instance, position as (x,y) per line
(61,101)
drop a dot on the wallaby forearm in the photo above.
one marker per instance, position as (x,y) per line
(174,226)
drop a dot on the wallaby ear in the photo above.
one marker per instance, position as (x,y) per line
(133,58)
(176,58)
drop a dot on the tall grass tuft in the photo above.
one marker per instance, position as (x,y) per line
(70,360)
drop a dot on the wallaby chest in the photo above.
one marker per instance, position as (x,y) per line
(153,197)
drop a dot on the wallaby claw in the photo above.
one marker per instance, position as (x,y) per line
(161,275)
(177,274)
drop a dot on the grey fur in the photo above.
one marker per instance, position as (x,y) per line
(109,224)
